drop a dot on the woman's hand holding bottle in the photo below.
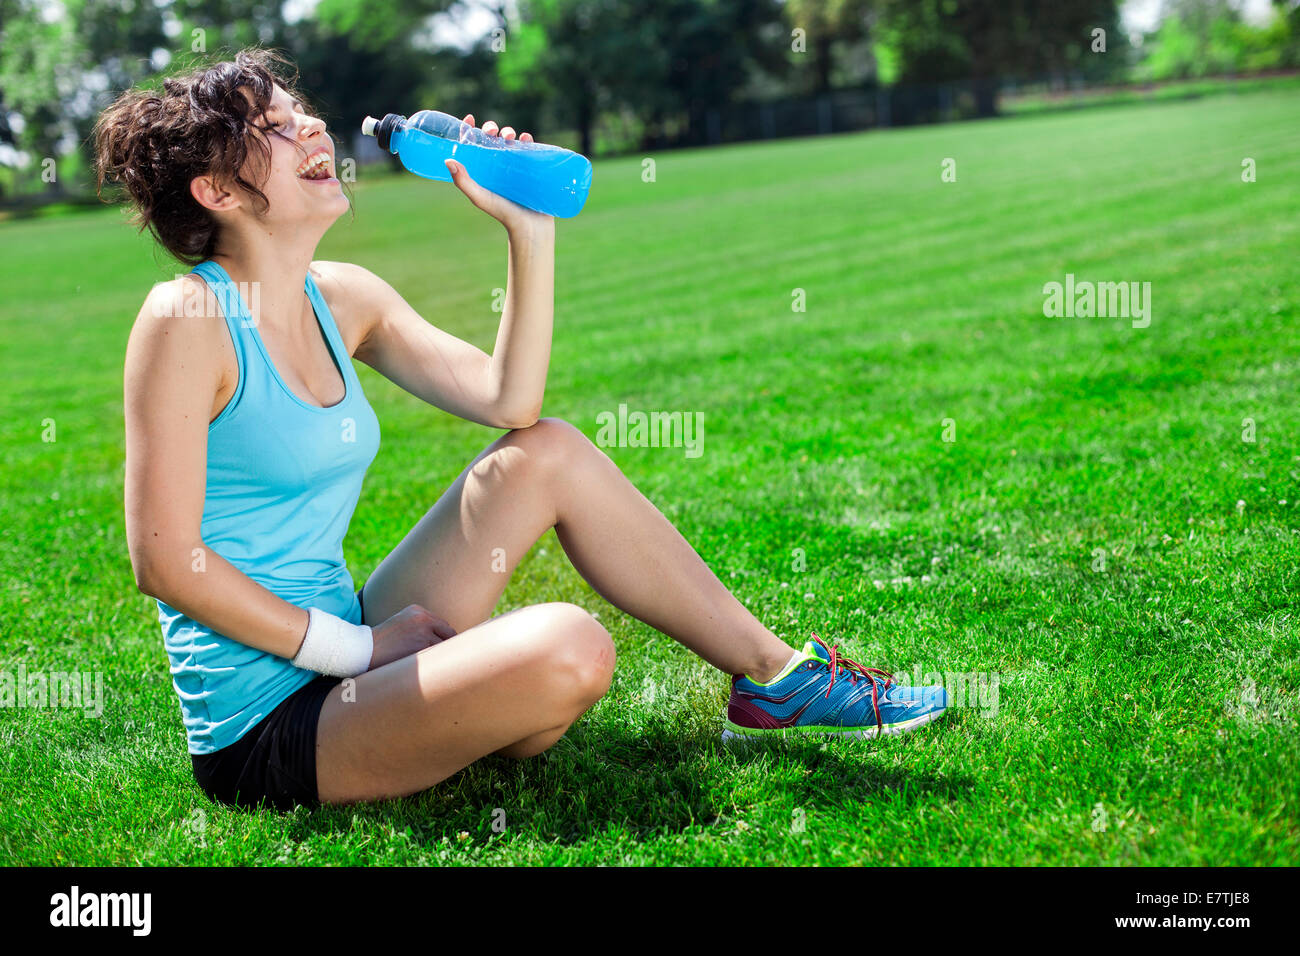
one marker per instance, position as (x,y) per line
(517,219)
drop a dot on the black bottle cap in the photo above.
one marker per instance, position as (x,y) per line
(384,131)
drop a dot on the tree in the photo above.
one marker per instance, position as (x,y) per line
(985,41)
(118,38)
(1206,37)
(365,57)
(39,75)
(656,58)
(577,52)
(713,47)
(229,24)
(829,25)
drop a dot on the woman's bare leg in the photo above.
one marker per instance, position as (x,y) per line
(511,685)
(457,559)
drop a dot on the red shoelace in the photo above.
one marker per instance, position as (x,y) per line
(855,670)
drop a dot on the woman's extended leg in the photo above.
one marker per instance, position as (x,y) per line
(512,685)
(457,559)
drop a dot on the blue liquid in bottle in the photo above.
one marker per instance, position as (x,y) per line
(544,178)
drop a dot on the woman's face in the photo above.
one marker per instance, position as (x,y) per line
(300,185)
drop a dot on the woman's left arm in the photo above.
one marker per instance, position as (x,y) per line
(504,389)
(522,353)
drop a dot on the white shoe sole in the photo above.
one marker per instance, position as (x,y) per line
(860,733)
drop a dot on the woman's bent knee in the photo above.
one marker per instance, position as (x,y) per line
(549,431)
(531,456)
(581,654)
(596,670)
(551,441)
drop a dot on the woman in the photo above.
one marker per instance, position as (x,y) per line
(247,438)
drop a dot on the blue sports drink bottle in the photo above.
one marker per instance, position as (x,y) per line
(545,178)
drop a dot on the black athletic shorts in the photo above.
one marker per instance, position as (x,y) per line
(275,762)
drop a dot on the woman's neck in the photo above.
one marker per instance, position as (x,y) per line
(276,272)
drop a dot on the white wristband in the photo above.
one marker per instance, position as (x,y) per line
(334,646)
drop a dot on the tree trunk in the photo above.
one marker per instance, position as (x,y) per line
(986,95)
(823,63)
(585,120)
(652,136)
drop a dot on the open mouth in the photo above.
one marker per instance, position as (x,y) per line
(317,166)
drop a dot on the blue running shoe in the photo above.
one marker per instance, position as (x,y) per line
(825,693)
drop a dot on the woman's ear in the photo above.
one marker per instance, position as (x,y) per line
(210,194)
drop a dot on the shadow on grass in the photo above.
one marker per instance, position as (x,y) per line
(642,782)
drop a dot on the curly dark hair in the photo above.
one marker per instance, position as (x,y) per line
(154,142)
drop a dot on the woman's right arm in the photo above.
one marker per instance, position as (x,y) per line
(172,377)
(173,372)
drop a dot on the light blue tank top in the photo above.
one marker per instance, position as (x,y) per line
(283,478)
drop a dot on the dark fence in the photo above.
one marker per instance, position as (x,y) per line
(838,112)
(842,111)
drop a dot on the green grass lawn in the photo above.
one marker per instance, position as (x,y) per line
(1099,538)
